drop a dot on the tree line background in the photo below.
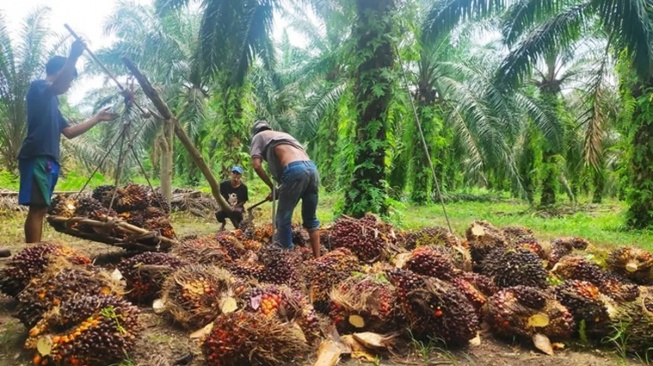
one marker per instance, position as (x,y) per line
(547,100)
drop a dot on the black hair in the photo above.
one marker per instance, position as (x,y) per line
(55,64)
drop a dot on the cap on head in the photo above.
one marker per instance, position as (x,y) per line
(55,64)
(237,169)
(259,126)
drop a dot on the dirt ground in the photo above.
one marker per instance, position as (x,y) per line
(162,344)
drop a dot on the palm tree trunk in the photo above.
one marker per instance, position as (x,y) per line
(167,144)
(598,176)
(373,84)
(422,177)
(550,178)
(640,211)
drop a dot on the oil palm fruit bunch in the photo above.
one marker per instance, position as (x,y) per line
(476,288)
(526,311)
(484,238)
(368,238)
(575,242)
(263,233)
(323,273)
(299,235)
(364,303)
(157,200)
(512,267)
(231,243)
(247,269)
(434,308)
(515,233)
(246,338)
(561,247)
(103,194)
(132,197)
(281,266)
(161,224)
(85,331)
(633,322)
(435,235)
(195,295)
(63,206)
(144,274)
(430,262)
(587,304)
(579,268)
(203,250)
(286,304)
(31,262)
(632,263)
(62,282)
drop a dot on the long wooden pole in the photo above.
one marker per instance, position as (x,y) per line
(165,112)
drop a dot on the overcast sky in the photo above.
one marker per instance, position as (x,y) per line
(84,16)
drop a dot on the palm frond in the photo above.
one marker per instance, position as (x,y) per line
(524,13)
(445,15)
(554,34)
(630,26)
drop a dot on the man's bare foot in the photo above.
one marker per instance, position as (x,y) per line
(4,253)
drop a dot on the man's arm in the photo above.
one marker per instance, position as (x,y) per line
(258,168)
(66,75)
(76,130)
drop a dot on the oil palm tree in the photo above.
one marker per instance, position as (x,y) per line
(20,63)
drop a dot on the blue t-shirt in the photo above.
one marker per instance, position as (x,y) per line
(44,123)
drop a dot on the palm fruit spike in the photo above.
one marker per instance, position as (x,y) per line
(60,283)
(579,268)
(483,238)
(85,331)
(263,233)
(203,250)
(483,283)
(430,262)
(287,305)
(324,272)
(162,225)
(514,233)
(280,266)
(250,338)
(230,242)
(574,242)
(195,295)
(475,296)
(559,249)
(368,238)
(587,304)
(525,311)
(530,243)
(633,263)
(132,197)
(514,267)
(435,235)
(62,206)
(434,308)
(635,321)
(364,303)
(299,235)
(144,274)
(30,263)
(103,194)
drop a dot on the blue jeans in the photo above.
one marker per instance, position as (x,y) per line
(299,180)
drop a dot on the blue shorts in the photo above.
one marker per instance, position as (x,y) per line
(38,176)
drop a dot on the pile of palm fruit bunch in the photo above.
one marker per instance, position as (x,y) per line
(74,311)
(136,205)
(247,301)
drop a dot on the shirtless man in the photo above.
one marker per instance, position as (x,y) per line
(298,178)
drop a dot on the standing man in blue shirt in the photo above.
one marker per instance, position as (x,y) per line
(38,160)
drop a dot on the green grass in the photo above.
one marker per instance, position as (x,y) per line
(600,224)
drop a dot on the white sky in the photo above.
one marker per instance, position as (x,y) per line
(85,17)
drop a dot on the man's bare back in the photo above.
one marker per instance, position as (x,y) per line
(288,154)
